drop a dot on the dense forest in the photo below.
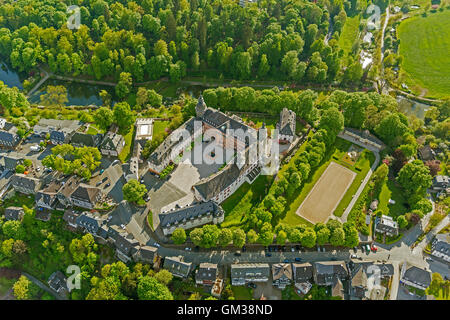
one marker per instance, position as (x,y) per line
(150,39)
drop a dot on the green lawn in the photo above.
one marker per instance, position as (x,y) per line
(340,147)
(18,200)
(243,200)
(91,130)
(242,293)
(5,285)
(159,128)
(390,191)
(125,153)
(364,162)
(349,34)
(425,47)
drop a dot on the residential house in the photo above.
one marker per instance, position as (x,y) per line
(386,225)
(191,216)
(68,186)
(440,246)
(337,288)
(80,139)
(426,153)
(206,274)
(177,266)
(112,144)
(144,129)
(281,275)
(86,196)
(326,271)
(91,223)
(217,288)
(414,276)
(302,272)
(286,126)
(146,254)
(63,129)
(440,183)
(9,138)
(14,213)
(43,214)
(249,272)
(25,184)
(126,246)
(70,216)
(11,162)
(58,282)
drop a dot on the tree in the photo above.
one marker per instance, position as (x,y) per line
(414,177)
(238,237)
(179,236)
(164,276)
(123,116)
(154,99)
(22,288)
(436,285)
(20,168)
(309,237)
(196,236)
(103,118)
(323,236)
(351,235)
(252,236)
(337,237)
(281,237)
(133,191)
(225,237)
(149,288)
(332,121)
(264,66)
(402,222)
(123,87)
(434,166)
(210,235)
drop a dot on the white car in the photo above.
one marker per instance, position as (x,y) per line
(156,244)
(353,256)
(188,249)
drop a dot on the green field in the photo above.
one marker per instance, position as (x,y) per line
(243,200)
(390,191)
(425,47)
(349,34)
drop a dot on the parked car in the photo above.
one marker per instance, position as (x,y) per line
(297,247)
(292,249)
(251,285)
(107,185)
(355,249)
(318,249)
(142,181)
(188,249)
(367,248)
(354,256)
(268,254)
(237,253)
(298,259)
(374,248)
(102,170)
(244,249)
(98,183)
(286,260)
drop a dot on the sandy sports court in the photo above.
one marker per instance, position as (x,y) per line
(326,194)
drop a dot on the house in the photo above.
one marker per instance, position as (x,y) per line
(126,246)
(146,254)
(206,274)
(177,266)
(302,272)
(85,196)
(386,225)
(286,126)
(24,184)
(14,213)
(112,144)
(191,216)
(281,275)
(9,138)
(68,186)
(364,137)
(63,129)
(440,246)
(426,153)
(88,222)
(414,276)
(326,271)
(365,278)
(47,197)
(440,183)
(11,162)
(70,216)
(217,288)
(43,214)
(58,282)
(249,272)
(80,139)
(337,288)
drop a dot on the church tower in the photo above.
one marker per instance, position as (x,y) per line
(201,107)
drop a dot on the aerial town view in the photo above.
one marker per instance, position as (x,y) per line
(224,150)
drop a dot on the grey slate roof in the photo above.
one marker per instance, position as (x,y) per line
(84,139)
(146,254)
(112,141)
(325,271)
(250,270)
(441,243)
(417,275)
(86,193)
(286,126)
(70,216)
(213,185)
(177,266)
(89,222)
(193,211)
(282,271)
(126,244)
(14,213)
(302,272)
(23,181)
(441,181)
(206,272)
(58,282)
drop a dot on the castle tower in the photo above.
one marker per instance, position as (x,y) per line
(201,107)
